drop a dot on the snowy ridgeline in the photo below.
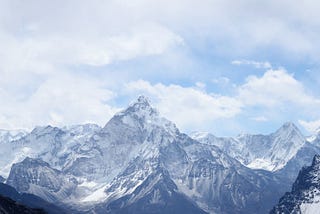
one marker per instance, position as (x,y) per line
(140,162)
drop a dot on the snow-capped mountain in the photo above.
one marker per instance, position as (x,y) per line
(302,158)
(268,152)
(305,194)
(10,135)
(36,177)
(141,162)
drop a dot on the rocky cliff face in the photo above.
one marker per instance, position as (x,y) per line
(305,194)
(37,177)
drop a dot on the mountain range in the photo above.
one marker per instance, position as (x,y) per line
(140,162)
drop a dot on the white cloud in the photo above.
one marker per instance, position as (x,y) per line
(189,107)
(277,95)
(260,119)
(200,85)
(311,126)
(256,64)
(221,80)
(59,100)
(45,54)
(274,88)
(44,42)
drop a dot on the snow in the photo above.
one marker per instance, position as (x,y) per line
(268,152)
(311,207)
(96,196)
(260,163)
(88,184)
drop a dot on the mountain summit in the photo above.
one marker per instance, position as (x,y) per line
(269,152)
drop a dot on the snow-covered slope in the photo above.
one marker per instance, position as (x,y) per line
(36,177)
(10,135)
(305,194)
(268,152)
(56,146)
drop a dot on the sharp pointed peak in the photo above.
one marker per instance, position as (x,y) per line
(143,99)
(38,161)
(288,126)
(140,105)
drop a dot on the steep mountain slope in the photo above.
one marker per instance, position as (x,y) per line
(303,158)
(37,177)
(151,191)
(215,181)
(305,194)
(223,185)
(268,152)
(10,135)
(56,146)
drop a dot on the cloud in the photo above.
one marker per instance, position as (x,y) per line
(256,64)
(260,119)
(189,107)
(49,53)
(274,88)
(79,54)
(221,80)
(59,100)
(311,126)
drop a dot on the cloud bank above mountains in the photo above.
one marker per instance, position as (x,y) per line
(219,66)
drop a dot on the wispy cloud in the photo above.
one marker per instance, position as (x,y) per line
(260,119)
(256,64)
(311,126)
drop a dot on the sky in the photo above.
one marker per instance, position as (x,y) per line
(220,66)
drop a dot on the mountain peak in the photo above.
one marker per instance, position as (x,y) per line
(289,125)
(34,161)
(140,107)
(143,99)
(287,128)
(141,115)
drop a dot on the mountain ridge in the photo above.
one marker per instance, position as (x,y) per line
(108,165)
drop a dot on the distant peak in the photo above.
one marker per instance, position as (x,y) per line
(140,108)
(288,127)
(34,161)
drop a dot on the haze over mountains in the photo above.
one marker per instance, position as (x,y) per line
(140,162)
